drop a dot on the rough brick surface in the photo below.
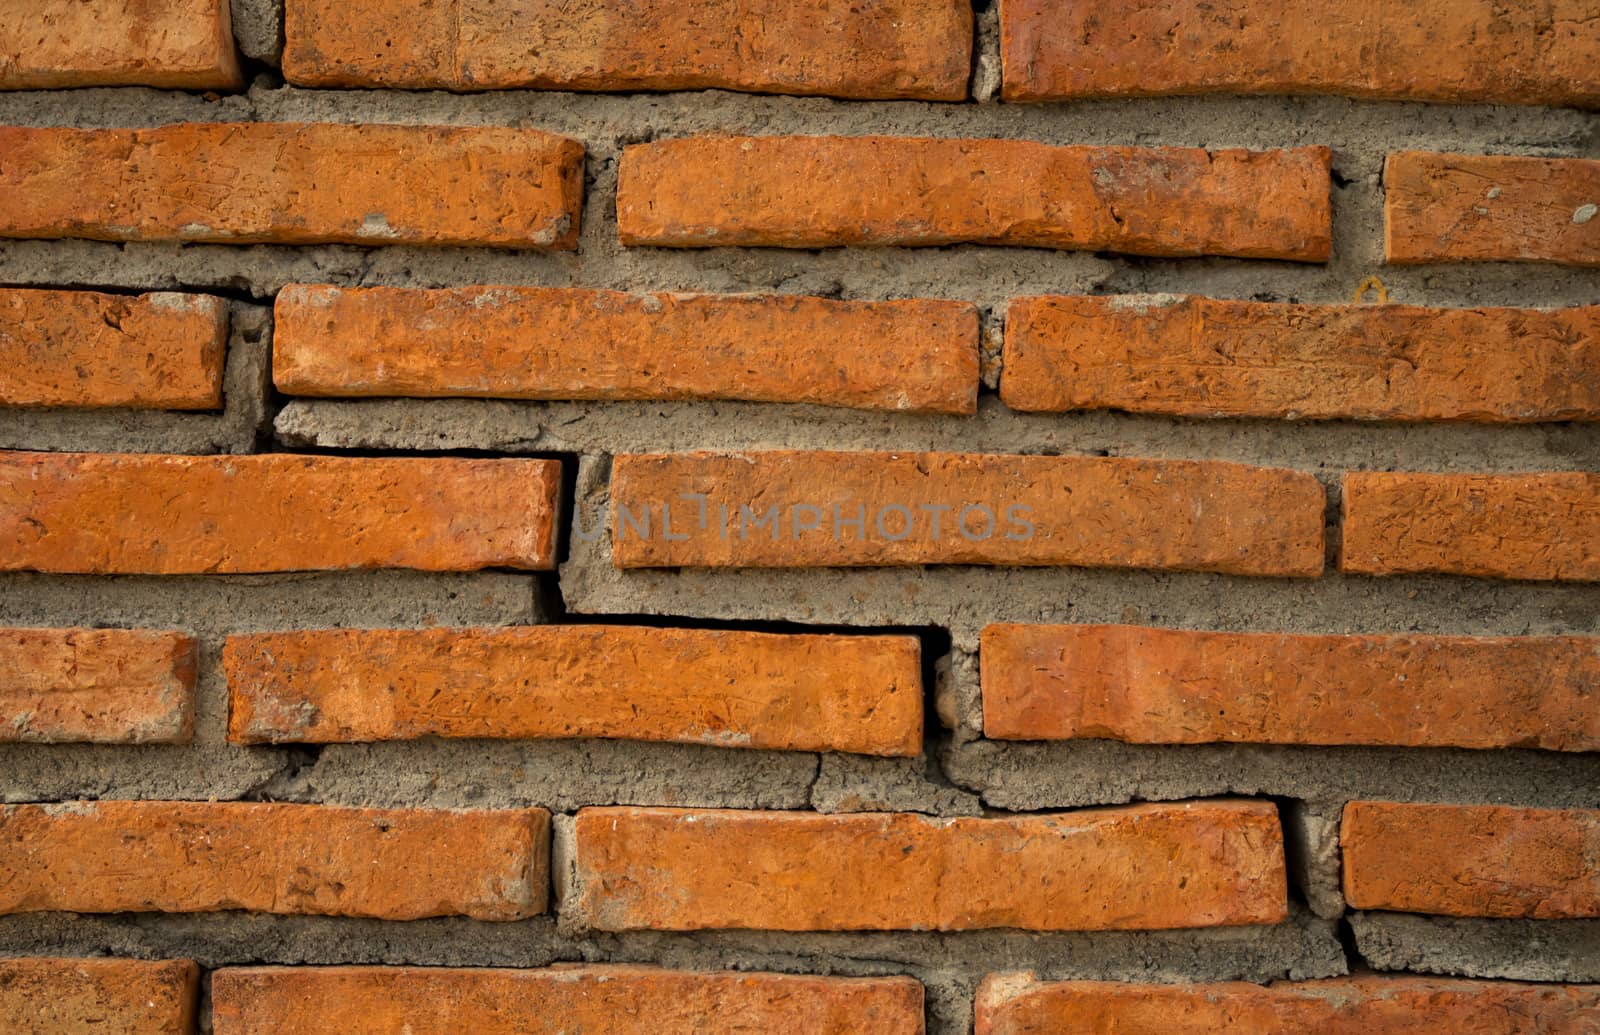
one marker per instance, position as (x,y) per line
(1477,51)
(200,857)
(1472,860)
(1138,867)
(897,48)
(821,192)
(1015,1004)
(1202,357)
(825,509)
(1454,208)
(1531,526)
(86,349)
(98,996)
(1169,686)
(294,183)
(177,44)
(104,686)
(736,689)
(560,343)
(621,1000)
(166,515)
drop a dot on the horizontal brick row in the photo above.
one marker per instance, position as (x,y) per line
(104,686)
(1476,51)
(177,44)
(170,515)
(1133,868)
(1170,686)
(1019,1004)
(203,857)
(86,349)
(560,343)
(294,183)
(892,49)
(823,192)
(736,689)
(102,996)
(1472,860)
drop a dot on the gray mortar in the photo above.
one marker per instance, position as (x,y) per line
(258,29)
(1517,950)
(1311,837)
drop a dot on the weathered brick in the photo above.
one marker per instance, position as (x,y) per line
(1015,1004)
(1203,357)
(102,996)
(1463,51)
(564,343)
(1170,686)
(103,686)
(617,1000)
(1458,208)
(85,349)
(91,513)
(836,509)
(889,49)
(1137,867)
(822,192)
(694,686)
(203,857)
(1510,526)
(176,44)
(1472,860)
(294,183)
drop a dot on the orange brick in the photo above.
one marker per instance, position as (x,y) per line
(617,1000)
(84,349)
(103,686)
(1015,1004)
(1138,867)
(1472,860)
(176,44)
(562,343)
(90,513)
(103,996)
(1459,208)
(888,49)
(294,183)
(823,192)
(1510,526)
(311,860)
(1170,686)
(1464,51)
(1203,357)
(692,686)
(824,509)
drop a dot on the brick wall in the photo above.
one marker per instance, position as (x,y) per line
(999,517)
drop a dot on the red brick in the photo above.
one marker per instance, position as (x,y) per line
(89,513)
(692,686)
(102,996)
(1080,511)
(888,49)
(1472,860)
(1463,51)
(85,349)
(103,686)
(294,183)
(563,343)
(1510,526)
(1015,1004)
(1137,867)
(1461,208)
(176,44)
(1170,686)
(616,1000)
(1203,357)
(314,860)
(823,192)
